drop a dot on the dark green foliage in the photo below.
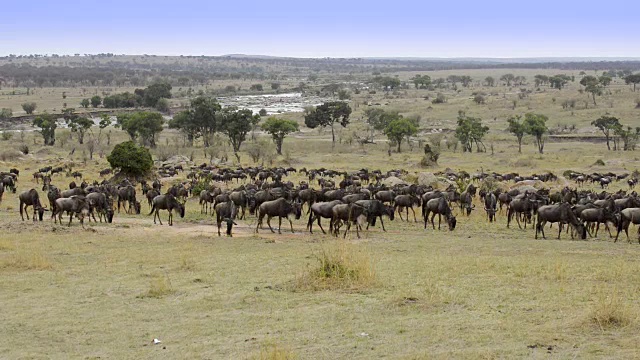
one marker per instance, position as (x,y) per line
(199,120)
(162,105)
(398,129)
(79,125)
(559,81)
(154,92)
(5,113)
(47,124)
(517,128)
(279,128)
(96,101)
(469,131)
(606,124)
(327,114)
(536,125)
(29,107)
(85,103)
(632,79)
(123,100)
(131,159)
(145,125)
(236,124)
(421,81)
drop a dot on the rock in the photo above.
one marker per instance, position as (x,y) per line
(177,160)
(393,181)
(427,179)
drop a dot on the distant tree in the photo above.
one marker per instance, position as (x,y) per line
(263,112)
(541,80)
(517,128)
(131,159)
(632,79)
(466,80)
(80,125)
(520,80)
(275,86)
(344,94)
(328,114)
(592,85)
(96,101)
(629,137)
(399,129)
(85,103)
(536,125)
(479,99)
(29,107)
(559,81)
(236,124)
(155,92)
(256,87)
(145,125)
(607,124)
(47,124)
(5,113)
(279,128)
(469,131)
(421,81)
(490,81)
(378,119)
(199,120)
(507,78)
(605,80)
(387,82)
(162,105)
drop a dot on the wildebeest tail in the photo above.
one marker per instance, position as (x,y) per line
(153,208)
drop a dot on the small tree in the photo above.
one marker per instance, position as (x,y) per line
(629,136)
(607,124)
(536,125)
(399,129)
(96,101)
(162,105)
(80,125)
(517,128)
(5,113)
(479,99)
(85,103)
(29,107)
(328,114)
(279,128)
(131,159)
(263,112)
(236,124)
(144,124)
(469,131)
(47,124)
(592,85)
(507,78)
(490,81)
(632,79)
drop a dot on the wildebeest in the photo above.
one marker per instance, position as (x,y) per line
(150,194)
(406,202)
(628,216)
(490,202)
(225,210)
(74,205)
(206,200)
(376,209)
(280,208)
(598,216)
(520,206)
(560,213)
(321,210)
(466,203)
(307,196)
(127,194)
(346,213)
(386,196)
(73,192)
(441,207)
(99,203)
(240,199)
(31,198)
(166,202)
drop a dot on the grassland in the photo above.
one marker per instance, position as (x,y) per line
(481,291)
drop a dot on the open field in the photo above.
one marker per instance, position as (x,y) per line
(480,291)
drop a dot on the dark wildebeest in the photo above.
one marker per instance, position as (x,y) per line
(72,192)
(386,196)
(258,198)
(240,199)
(166,202)
(225,210)
(321,210)
(562,214)
(406,202)
(280,208)
(598,216)
(628,216)
(206,200)
(31,198)
(504,199)
(75,205)
(376,209)
(351,198)
(520,206)
(346,213)
(307,196)
(53,194)
(150,194)
(127,194)
(466,203)
(99,203)
(490,203)
(441,207)
(9,183)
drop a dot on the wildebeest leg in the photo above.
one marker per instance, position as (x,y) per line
(269,223)
(319,218)
(170,218)
(290,223)
(518,221)
(414,214)
(158,214)
(382,223)
(399,212)
(560,231)
(280,224)
(70,218)
(260,217)
(439,220)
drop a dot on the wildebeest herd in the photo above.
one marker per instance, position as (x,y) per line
(345,199)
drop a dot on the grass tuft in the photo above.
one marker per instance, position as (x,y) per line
(160,286)
(28,260)
(275,352)
(608,312)
(6,245)
(340,266)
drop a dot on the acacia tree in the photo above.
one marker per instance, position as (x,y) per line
(199,120)
(378,119)
(592,85)
(279,128)
(536,125)
(96,101)
(469,131)
(517,128)
(145,125)
(507,78)
(236,124)
(607,124)
(629,136)
(421,81)
(47,124)
(399,129)
(490,81)
(632,79)
(80,125)
(559,81)
(328,114)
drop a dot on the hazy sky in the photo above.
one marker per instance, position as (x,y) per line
(442,28)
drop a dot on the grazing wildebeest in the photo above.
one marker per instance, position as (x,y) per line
(166,202)
(520,206)
(321,210)
(560,213)
(99,203)
(346,213)
(280,208)
(490,202)
(53,194)
(376,209)
(31,198)
(240,199)
(386,196)
(225,210)
(628,216)
(406,202)
(466,203)
(9,183)
(441,207)
(74,205)
(598,216)
(127,194)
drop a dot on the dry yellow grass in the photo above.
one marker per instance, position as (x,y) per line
(276,352)
(28,259)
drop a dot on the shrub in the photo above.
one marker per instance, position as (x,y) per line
(162,105)
(5,113)
(29,107)
(23,148)
(6,135)
(440,99)
(131,159)
(159,287)
(599,162)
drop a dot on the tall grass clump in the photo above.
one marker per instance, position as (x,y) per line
(275,352)
(159,286)
(608,311)
(28,260)
(339,266)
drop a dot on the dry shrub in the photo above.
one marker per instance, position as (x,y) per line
(28,260)
(340,266)
(10,155)
(275,352)
(609,311)
(160,286)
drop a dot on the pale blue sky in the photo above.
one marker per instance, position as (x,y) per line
(489,28)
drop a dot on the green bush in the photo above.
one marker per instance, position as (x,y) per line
(131,159)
